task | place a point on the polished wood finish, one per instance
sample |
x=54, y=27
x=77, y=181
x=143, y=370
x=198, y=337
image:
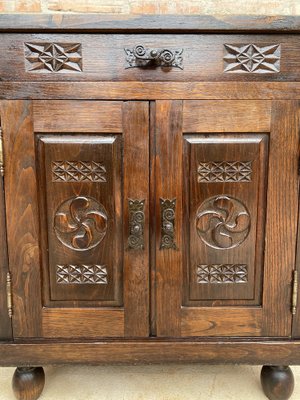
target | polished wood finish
x=277, y=382
x=153, y=350
x=22, y=217
x=147, y=23
x=151, y=90
x=28, y=383
x=111, y=174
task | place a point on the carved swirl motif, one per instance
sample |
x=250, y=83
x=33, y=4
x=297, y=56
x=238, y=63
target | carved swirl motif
x=136, y=224
x=167, y=224
x=140, y=56
x=222, y=222
x=80, y=223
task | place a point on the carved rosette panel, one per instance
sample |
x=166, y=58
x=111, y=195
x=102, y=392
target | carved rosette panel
x=251, y=58
x=225, y=171
x=136, y=224
x=81, y=274
x=53, y=57
x=78, y=171
x=80, y=223
x=222, y=273
x=167, y=208
x=222, y=222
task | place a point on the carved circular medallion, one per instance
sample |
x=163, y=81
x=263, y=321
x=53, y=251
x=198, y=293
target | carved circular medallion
x=222, y=222
x=80, y=223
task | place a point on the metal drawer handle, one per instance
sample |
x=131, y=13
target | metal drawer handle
x=140, y=56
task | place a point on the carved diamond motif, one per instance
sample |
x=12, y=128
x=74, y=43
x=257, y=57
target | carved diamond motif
x=81, y=274
x=78, y=171
x=53, y=57
x=222, y=273
x=225, y=171
x=252, y=58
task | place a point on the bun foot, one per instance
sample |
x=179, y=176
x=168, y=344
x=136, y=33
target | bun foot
x=28, y=383
x=277, y=382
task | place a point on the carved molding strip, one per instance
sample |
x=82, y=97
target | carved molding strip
x=225, y=171
x=78, y=171
x=167, y=209
x=222, y=222
x=136, y=224
x=251, y=58
x=140, y=56
x=80, y=223
x=81, y=274
x=222, y=273
x=53, y=57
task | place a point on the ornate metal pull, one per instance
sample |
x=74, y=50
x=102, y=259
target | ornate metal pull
x=167, y=212
x=136, y=224
x=140, y=56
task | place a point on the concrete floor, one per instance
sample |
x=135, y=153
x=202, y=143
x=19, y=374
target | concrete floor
x=155, y=382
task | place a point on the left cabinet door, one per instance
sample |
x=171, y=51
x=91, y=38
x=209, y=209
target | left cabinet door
x=77, y=197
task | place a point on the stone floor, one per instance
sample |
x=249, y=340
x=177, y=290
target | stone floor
x=155, y=382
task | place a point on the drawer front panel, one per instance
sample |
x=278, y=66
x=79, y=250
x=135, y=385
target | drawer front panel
x=146, y=57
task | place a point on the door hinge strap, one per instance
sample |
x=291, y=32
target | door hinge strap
x=1, y=154
x=295, y=292
x=9, y=295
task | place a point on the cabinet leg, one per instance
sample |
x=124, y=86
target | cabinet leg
x=28, y=382
x=277, y=382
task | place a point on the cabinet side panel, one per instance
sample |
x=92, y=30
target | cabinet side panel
x=281, y=220
x=5, y=321
x=22, y=217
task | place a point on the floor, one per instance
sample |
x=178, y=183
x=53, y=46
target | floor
x=163, y=382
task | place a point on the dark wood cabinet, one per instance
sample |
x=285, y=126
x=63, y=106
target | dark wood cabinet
x=149, y=193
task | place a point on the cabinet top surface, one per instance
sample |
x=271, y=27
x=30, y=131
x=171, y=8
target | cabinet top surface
x=147, y=23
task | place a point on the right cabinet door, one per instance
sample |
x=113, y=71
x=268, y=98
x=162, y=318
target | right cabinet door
x=226, y=216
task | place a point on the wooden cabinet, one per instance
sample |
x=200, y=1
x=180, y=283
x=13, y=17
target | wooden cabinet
x=149, y=194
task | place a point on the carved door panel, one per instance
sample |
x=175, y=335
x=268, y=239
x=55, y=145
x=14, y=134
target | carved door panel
x=77, y=194
x=226, y=196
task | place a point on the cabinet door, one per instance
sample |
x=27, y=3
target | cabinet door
x=226, y=215
x=77, y=196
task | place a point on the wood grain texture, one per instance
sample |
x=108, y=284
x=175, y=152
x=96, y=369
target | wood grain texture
x=203, y=58
x=250, y=116
x=90, y=116
x=136, y=186
x=281, y=219
x=5, y=321
x=22, y=217
x=219, y=321
x=147, y=23
x=90, y=323
x=168, y=167
x=216, y=351
x=150, y=90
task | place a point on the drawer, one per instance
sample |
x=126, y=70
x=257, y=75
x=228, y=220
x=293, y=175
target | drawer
x=116, y=57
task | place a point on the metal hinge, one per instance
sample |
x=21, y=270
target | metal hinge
x=1, y=154
x=9, y=295
x=295, y=292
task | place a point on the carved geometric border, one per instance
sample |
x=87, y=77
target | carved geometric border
x=222, y=273
x=81, y=274
x=78, y=171
x=225, y=171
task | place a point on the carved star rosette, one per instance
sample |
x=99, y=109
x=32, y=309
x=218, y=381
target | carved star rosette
x=80, y=223
x=53, y=57
x=222, y=222
x=252, y=58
